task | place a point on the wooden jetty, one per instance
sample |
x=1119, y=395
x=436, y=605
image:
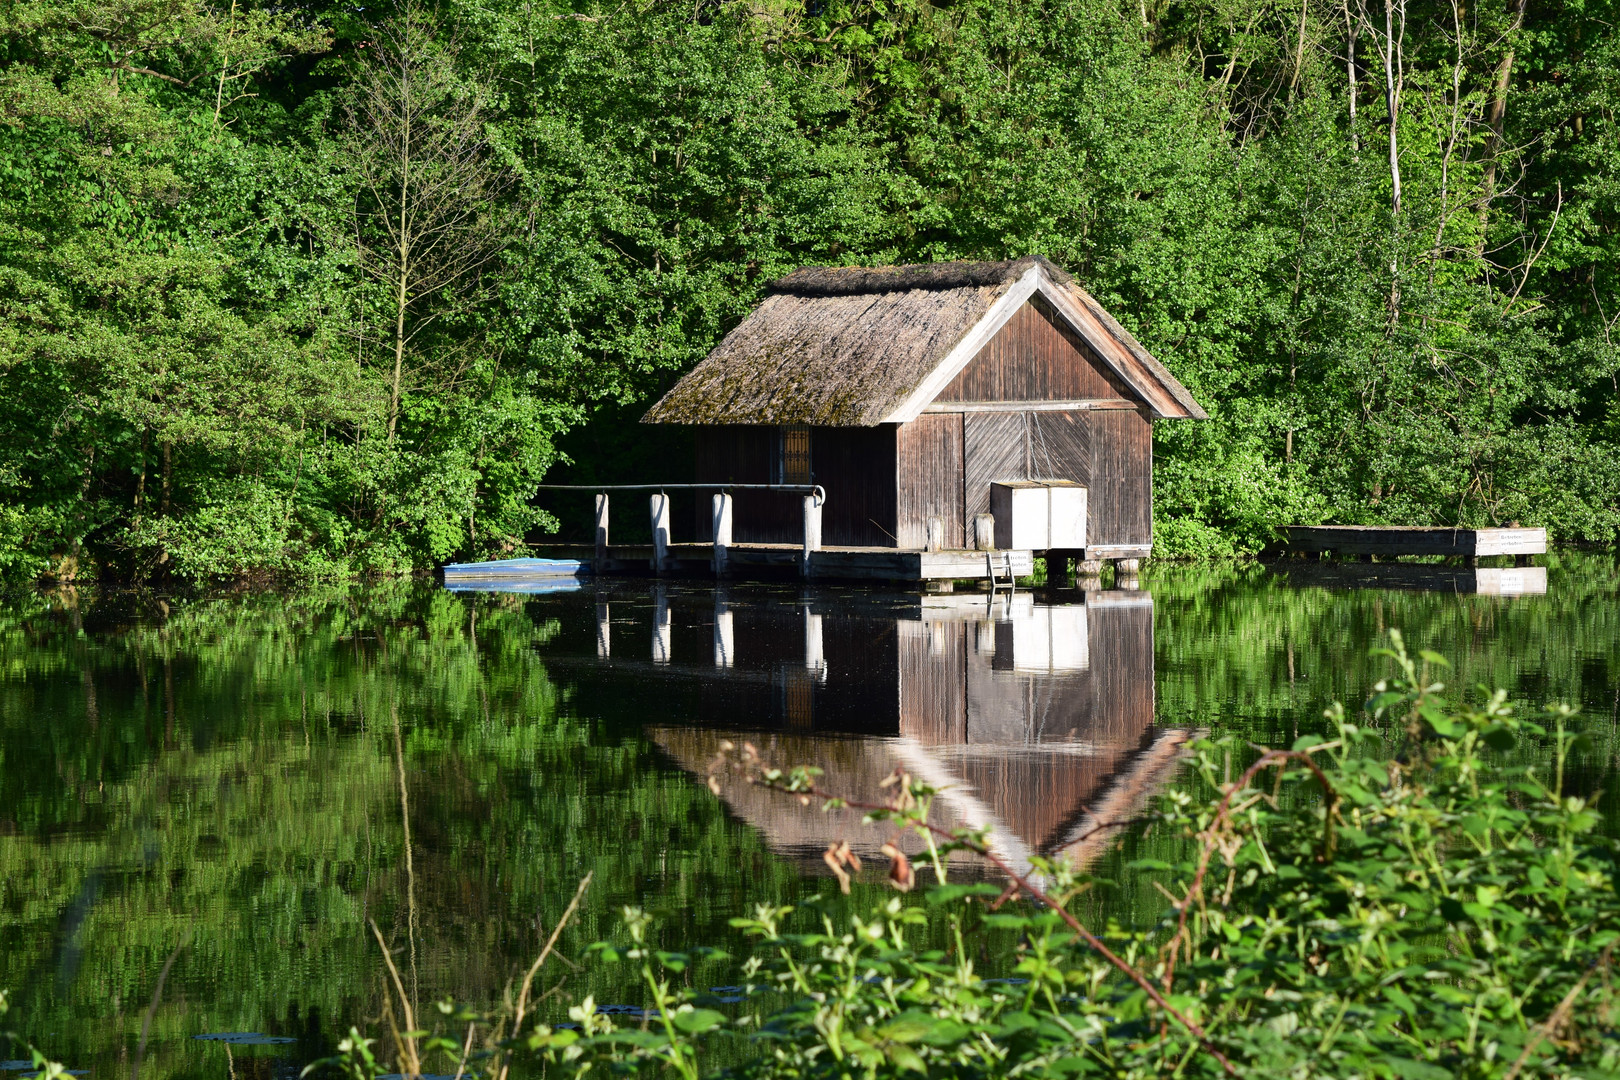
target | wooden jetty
x=1391, y=541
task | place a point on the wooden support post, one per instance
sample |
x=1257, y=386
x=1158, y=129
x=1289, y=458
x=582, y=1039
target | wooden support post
x=601, y=532
x=1127, y=566
x=725, y=635
x=722, y=532
x=812, y=531
x=815, y=659
x=984, y=532
x=660, y=627
x=1088, y=567
x=658, y=507
x=936, y=534
x=604, y=632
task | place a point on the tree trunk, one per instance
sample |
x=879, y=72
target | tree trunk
x=140, y=480
x=224, y=67
x=1392, y=96
x=1299, y=48
x=1394, y=60
x=1497, y=118
x=402, y=295
x=400, y=302
x=1351, y=26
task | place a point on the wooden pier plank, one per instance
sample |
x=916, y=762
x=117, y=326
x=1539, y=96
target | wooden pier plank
x=1416, y=540
x=832, y=563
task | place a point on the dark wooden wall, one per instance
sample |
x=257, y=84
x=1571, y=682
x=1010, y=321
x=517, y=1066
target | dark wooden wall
x=1108, y=450
x=928, y=454
x=856, y=466
x=1120, y=500
x=1035, y=357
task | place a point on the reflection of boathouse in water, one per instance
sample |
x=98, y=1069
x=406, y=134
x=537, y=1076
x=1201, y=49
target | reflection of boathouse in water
x=1033, y=719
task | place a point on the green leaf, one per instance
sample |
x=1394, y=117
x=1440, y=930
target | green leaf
x=1407, y=1069
x=904, y=1057
x=698, y=1021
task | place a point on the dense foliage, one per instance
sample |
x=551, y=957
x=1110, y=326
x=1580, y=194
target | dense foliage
x=282, y=288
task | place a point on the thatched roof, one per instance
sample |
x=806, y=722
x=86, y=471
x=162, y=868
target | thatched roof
x=856, y=347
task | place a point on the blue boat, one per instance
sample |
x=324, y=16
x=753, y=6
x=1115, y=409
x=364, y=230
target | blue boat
x=516, y=575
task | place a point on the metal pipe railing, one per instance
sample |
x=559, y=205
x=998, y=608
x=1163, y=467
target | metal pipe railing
x=800, y=489
x=659, y=514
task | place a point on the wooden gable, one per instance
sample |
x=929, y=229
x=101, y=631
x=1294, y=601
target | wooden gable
x=1036, y=356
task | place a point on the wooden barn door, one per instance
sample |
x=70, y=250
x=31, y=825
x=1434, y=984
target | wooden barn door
x=929, y=467
x=994, y=448
x=1120, y=504
x=1022, y=446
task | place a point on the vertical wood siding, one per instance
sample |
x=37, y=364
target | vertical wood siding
x=1121, y=639
x=855, y=465
x=1035, y=357
x=933, y=680
x=1120, y=503
x=929, y=474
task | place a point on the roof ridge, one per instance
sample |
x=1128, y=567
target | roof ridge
x=814, y=281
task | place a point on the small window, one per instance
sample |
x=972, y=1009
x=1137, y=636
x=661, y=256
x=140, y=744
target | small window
x=793, y=455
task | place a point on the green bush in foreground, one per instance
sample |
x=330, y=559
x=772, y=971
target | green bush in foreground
x=1340, y=911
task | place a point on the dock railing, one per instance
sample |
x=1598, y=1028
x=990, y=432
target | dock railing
x=721, y=508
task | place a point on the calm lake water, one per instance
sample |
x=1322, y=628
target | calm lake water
x=204, y=801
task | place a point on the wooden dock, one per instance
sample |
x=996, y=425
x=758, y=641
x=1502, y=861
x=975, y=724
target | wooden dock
x=788, y=560
x=1392, y=541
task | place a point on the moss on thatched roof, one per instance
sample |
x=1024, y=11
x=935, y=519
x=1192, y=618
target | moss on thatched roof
x=857, y=280
x=855, y=347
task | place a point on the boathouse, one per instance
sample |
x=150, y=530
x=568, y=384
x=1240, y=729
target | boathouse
x=923, y=397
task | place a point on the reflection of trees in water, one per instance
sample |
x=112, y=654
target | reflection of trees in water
x=228, y=769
